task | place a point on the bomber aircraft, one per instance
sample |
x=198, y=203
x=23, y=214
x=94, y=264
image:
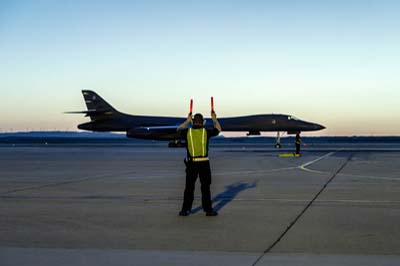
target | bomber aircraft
x=104, y=117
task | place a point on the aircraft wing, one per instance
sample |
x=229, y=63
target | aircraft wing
x=155, y=132
x=91, y=113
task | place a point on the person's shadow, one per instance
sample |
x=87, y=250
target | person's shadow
x=231, y=191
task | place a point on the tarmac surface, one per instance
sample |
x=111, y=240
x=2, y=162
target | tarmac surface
x=107, y=205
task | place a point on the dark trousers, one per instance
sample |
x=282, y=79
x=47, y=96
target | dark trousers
x=297, y=148
x=194, y=169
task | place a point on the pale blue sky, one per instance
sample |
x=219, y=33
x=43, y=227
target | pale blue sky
x=332, y=62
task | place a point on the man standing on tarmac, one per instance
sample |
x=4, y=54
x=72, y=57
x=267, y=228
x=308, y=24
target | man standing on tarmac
x=298, y=142
x=197, y=163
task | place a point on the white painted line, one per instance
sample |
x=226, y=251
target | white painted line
x=304, y=166
x=372, y=177
x=316, y=160
x=255, y=172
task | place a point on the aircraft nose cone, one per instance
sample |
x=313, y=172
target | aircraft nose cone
x=319, y=127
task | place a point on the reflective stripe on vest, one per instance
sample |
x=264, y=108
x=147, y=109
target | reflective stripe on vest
x=197, y=142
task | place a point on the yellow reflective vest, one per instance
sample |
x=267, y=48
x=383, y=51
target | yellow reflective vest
x=197, y=142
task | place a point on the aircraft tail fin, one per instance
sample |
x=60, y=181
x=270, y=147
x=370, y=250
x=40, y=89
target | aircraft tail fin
x=97, y=107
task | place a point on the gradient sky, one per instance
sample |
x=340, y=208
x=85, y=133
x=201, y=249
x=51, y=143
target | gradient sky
x=332, y=62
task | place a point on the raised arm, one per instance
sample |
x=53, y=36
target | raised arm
x=215, y=121
x=186, y=123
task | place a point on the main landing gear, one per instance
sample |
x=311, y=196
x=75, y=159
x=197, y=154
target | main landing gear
x=278, y=141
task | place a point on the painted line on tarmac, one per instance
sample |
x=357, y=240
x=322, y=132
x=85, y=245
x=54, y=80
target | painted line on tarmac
x=255, y=172
x=292, y=223
x=372, y=177
x=135, y=176
x=182, y=175
x=304, y=166
x=172, y=199
x=311, y=171
x=61, y=183
x=67, y=182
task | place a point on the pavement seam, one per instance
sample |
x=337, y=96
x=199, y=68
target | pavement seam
x=303, y=211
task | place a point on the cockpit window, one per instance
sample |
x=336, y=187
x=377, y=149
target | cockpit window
x=291, y=117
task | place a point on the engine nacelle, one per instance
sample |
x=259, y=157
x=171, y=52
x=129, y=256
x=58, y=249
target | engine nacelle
x=140, y=132
x=254, y=133
x=158, y=133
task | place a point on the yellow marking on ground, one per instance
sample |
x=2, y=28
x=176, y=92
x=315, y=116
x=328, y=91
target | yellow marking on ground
x=289, y=155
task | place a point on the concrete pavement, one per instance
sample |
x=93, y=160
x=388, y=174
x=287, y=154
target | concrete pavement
x=86, y=204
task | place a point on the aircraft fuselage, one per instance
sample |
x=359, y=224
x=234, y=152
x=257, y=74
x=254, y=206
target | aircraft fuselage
x=137, y=126
x=104, y=117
